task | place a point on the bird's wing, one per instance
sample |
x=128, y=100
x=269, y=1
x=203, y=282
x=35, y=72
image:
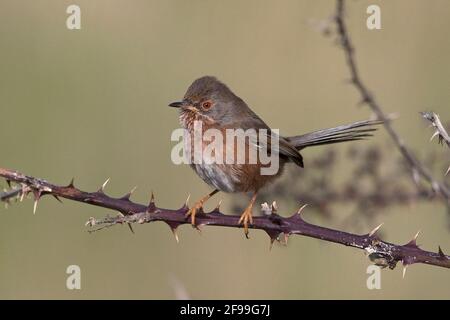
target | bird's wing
x=284, y=148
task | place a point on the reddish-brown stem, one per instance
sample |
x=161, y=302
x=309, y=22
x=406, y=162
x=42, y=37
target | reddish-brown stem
x=380, y=252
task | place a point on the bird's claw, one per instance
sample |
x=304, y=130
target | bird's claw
x=245, y=219
x=198, y=207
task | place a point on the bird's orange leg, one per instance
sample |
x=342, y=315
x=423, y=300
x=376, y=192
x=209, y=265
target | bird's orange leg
x=199, y=205
x=247, y=216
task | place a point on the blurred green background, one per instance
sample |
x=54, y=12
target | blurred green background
x=91, y=104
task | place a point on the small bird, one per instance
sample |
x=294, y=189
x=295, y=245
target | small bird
x=215, y=106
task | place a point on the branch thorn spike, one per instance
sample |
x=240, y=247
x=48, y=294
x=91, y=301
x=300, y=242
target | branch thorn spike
x=102, y=188
x=388, y=253
x=299, y=211
x=37, y=196
x=71, y=183
x=57, y=198
x=151, y=206
x=434, y=135
x=198, y=228
x=271, y=244
x=217, y=208
x=413, y=242
x=22, y=194
x=130, y=227
x=273, y=235
x=35, y=206
x=405, y=266
x=8, y=182
x=374, y=231
x=128, y=195
x=441, y=253
x=186, y=203
x=448, y=170
x=175, y=234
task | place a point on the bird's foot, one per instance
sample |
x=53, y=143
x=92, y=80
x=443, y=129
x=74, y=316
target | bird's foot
x=246, y=218
x=196, y=208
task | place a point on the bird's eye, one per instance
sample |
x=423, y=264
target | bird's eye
x=206, y=105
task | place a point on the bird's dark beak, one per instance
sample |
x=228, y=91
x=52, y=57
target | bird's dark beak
x=177, y=104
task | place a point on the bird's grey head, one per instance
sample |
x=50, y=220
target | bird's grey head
x=212, y=99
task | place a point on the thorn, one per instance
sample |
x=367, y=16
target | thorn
x=217, y=208
x=375, y=230
x=131, y=228
x=37, y=196
x=448, y=170
x=151, y=206
x=57, y=198
x=404, y=270
x=299, y=211
x=128, y=195
x=35, y=206
x=273, y=235
x=413, y=242
x=186, y=203
x=173, y=227
x=434, y=135
x=198, y=228
x=8, y=182
x=272, y=240
x=175, y=234
x=102, y=188
x=441, y=253
x=71, y=183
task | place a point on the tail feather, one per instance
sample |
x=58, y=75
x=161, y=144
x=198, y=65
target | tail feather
x=350, y=132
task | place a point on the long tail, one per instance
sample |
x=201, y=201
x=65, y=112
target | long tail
x=350, y=132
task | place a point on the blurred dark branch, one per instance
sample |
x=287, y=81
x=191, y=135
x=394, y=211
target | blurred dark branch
x=9, y=194
x=373, y=181
x=380, y=252
x=369, y=99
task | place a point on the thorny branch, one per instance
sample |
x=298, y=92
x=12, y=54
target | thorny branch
x=369, y=99
x=380, y=252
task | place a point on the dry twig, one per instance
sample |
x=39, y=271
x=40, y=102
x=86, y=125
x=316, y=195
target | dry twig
x=369, y=99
